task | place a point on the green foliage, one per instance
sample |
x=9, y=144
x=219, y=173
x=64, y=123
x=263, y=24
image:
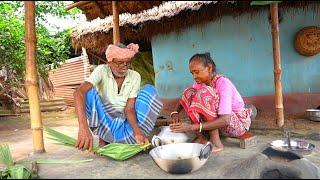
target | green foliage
x=12, y=170
x=19, y=170
x=52, y=49
x=263, y=2
x=116, y=151
x=5, y=155
x=143, y=64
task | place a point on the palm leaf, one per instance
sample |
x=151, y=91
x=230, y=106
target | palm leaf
x=61, y=138
x=117, y=151
x=120, y=151
x=19, y=171
x=5, y=155
x=12, y=170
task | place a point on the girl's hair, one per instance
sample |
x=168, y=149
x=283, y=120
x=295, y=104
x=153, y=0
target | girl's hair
x=205, y=58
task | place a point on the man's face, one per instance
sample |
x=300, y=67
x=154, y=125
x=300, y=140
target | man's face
x=120, y=67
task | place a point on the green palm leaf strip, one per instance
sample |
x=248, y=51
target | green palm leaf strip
x=56, y=161
x=116, y=151
x=260, y=3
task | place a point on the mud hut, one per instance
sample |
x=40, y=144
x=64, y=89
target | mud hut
x=237, y=35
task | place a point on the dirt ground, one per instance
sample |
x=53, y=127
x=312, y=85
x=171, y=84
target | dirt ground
x=15, y=131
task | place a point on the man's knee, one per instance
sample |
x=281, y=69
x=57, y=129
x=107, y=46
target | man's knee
x=149, y=88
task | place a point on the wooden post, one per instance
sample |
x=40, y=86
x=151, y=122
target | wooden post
x=115, y=14
x=277, y=64
x=31, y=81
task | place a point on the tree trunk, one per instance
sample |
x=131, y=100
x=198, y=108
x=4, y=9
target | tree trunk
x=31, y=81
x=277, y=64
x=115, y=13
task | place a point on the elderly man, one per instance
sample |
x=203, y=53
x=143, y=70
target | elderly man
x=111, y=104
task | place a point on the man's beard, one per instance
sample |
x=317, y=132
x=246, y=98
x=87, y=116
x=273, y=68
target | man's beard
x=119, y=75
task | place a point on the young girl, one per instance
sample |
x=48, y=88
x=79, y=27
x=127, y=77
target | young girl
x=212, y=103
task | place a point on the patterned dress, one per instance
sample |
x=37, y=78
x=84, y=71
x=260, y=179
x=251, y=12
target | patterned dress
x=201, y=100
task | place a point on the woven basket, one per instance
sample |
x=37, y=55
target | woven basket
x=307, y=41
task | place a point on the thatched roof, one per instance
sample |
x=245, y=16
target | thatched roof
x=102, y=9
x=170, y=16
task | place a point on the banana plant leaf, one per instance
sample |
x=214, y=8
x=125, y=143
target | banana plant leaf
x=115, y=151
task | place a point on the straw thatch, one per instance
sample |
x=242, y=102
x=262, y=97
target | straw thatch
x=169, y=16
x=102, y=9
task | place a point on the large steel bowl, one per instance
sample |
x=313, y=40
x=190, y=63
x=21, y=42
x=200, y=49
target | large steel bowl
x=181, y=158
x=313, y=114
x=298, y=146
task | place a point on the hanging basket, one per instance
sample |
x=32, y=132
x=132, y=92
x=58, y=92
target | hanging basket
x=307, y=41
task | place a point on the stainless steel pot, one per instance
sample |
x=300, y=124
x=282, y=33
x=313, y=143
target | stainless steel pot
x=181, y=158
x=313, y=114
x=166, y=136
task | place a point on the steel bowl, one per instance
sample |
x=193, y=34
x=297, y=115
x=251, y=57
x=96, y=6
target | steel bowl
x=313, y=114
x=298, y=146
x=181, y=158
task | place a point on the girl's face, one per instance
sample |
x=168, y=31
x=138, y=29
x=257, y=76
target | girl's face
x=200, y=72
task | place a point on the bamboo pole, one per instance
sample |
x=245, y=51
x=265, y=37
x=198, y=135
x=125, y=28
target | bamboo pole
x=76, y=4
x=32, y=78
x=277, y=64
x=115, y=14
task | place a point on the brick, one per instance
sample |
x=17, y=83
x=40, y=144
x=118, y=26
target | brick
x=247, y=140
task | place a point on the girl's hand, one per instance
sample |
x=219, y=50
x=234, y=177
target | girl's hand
x=180, y=127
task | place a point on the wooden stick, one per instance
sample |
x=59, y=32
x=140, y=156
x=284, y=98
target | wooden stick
x=32, y=78
x=277, y=64
x=34, y=167
x=115, y=13
x=77, y=4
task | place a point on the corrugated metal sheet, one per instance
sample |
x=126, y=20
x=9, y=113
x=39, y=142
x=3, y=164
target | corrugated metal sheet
x=69, y=76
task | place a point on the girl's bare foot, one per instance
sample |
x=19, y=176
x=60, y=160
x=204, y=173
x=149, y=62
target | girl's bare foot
x=215, y=140
x=216, y=149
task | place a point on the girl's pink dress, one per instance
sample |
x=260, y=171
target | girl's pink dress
x=210, y=102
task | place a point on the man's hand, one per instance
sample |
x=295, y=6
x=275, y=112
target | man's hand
x=181, y=127
x=141, y=138
x=85, y=140
x=175, y=118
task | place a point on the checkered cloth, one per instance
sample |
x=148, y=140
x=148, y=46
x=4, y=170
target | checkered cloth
x=111, y=124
